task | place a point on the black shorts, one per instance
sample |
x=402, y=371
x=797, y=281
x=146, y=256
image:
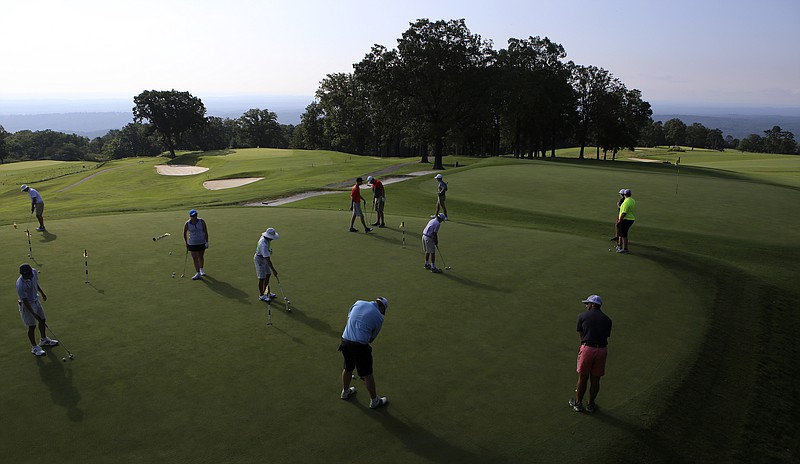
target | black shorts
x=624, y=226
x=201, y=247
x=357, y=356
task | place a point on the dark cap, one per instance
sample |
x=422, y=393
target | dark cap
x=26, y=271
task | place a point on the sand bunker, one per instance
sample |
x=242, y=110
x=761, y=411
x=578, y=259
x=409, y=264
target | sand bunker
x=229, y=183
x=179, y=170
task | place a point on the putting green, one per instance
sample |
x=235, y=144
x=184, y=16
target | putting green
x=170, y=369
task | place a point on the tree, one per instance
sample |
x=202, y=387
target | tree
x=535, y=93
x=170, y=113
x=675, y=132
x=777, y=140
x=433, y=71
x=590, y=84
x=3, y=135
x=259, y=128
x=753, y=143
x=696, y=135
x=310, y=134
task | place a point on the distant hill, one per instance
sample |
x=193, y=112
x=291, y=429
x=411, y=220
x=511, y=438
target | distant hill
x=94, y=118
x=738, y=125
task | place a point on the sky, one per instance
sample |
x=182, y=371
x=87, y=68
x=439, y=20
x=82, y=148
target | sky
x=699, y=52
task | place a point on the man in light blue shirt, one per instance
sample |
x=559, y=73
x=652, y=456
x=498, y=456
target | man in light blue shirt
x=364, y=322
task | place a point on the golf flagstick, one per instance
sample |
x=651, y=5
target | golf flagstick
x=269, y=311
x=403, y=228
x=677, y=173
x=86, y=262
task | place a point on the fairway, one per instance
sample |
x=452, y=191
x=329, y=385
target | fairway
x=477, y=362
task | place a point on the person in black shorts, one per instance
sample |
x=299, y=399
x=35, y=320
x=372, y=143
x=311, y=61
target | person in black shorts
x=364, y=322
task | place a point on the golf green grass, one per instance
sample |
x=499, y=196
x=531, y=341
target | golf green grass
x=478, y=362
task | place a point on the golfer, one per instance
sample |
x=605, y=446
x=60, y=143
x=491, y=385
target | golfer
x=355, y=206
x=364, y=322
x=625, y=220
x=378, y=200
x=195, y=234
x=263, y=262
x=430, y=239
x=441, y=191
x=37, y=205
x=31, y=310
x=616, y=218
x=594, y=328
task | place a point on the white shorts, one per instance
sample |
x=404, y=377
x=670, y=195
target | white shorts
x=262, y=267
x=428, y=244
x=27, y=318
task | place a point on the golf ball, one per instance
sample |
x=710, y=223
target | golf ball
x=170, y=252
x=173, y=275
x=64, y=359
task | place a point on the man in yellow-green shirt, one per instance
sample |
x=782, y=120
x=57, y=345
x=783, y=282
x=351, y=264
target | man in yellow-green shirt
x=627, y=214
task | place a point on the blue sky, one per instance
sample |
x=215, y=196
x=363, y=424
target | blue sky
x=728, y=53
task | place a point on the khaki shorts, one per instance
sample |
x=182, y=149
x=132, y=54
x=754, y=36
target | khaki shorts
x=39, y=208
x=27, y=318
x=428, y=244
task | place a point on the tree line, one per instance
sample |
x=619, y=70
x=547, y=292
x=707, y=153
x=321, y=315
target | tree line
x=442, y=89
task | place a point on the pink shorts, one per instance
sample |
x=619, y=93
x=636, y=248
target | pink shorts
x=592, y=361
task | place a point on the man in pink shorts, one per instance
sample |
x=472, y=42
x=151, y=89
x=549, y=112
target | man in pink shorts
x=594, y=328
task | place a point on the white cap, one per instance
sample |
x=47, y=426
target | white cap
x=270, y=234
x=622, y=191
x=382, y=300
x=370, y=179
x=437, y=176
x=594, y=299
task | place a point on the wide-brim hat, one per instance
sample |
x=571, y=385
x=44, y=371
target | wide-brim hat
x=24, y=187
x=270, y=234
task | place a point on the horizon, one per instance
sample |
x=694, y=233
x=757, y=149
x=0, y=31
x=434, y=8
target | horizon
x=251, y=48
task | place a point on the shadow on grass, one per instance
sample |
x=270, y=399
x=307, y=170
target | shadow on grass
x=225, y=289
x=98, y=290
x=469, y=282
x=648, y=445
x=47, y=236
x=313, y=323
x=59, y=381
x=424, y=443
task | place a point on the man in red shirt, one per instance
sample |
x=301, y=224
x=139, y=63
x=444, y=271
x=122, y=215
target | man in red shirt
x=355, y=206
x=378, y=201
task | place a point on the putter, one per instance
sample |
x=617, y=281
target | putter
x=286, y=300
x=444, y=261
x=30, y=250
x=60, y=343
x=155, y=239
x=184, y=263
x=269, y=313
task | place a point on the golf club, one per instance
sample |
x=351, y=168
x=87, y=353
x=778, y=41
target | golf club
x=60, y=343
x=269, y=313
x=286, y=300
x=184, y=263
x=30, y=250
x=444, y=261
x=86, y=262
x=155, y=239
x=28, y=233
